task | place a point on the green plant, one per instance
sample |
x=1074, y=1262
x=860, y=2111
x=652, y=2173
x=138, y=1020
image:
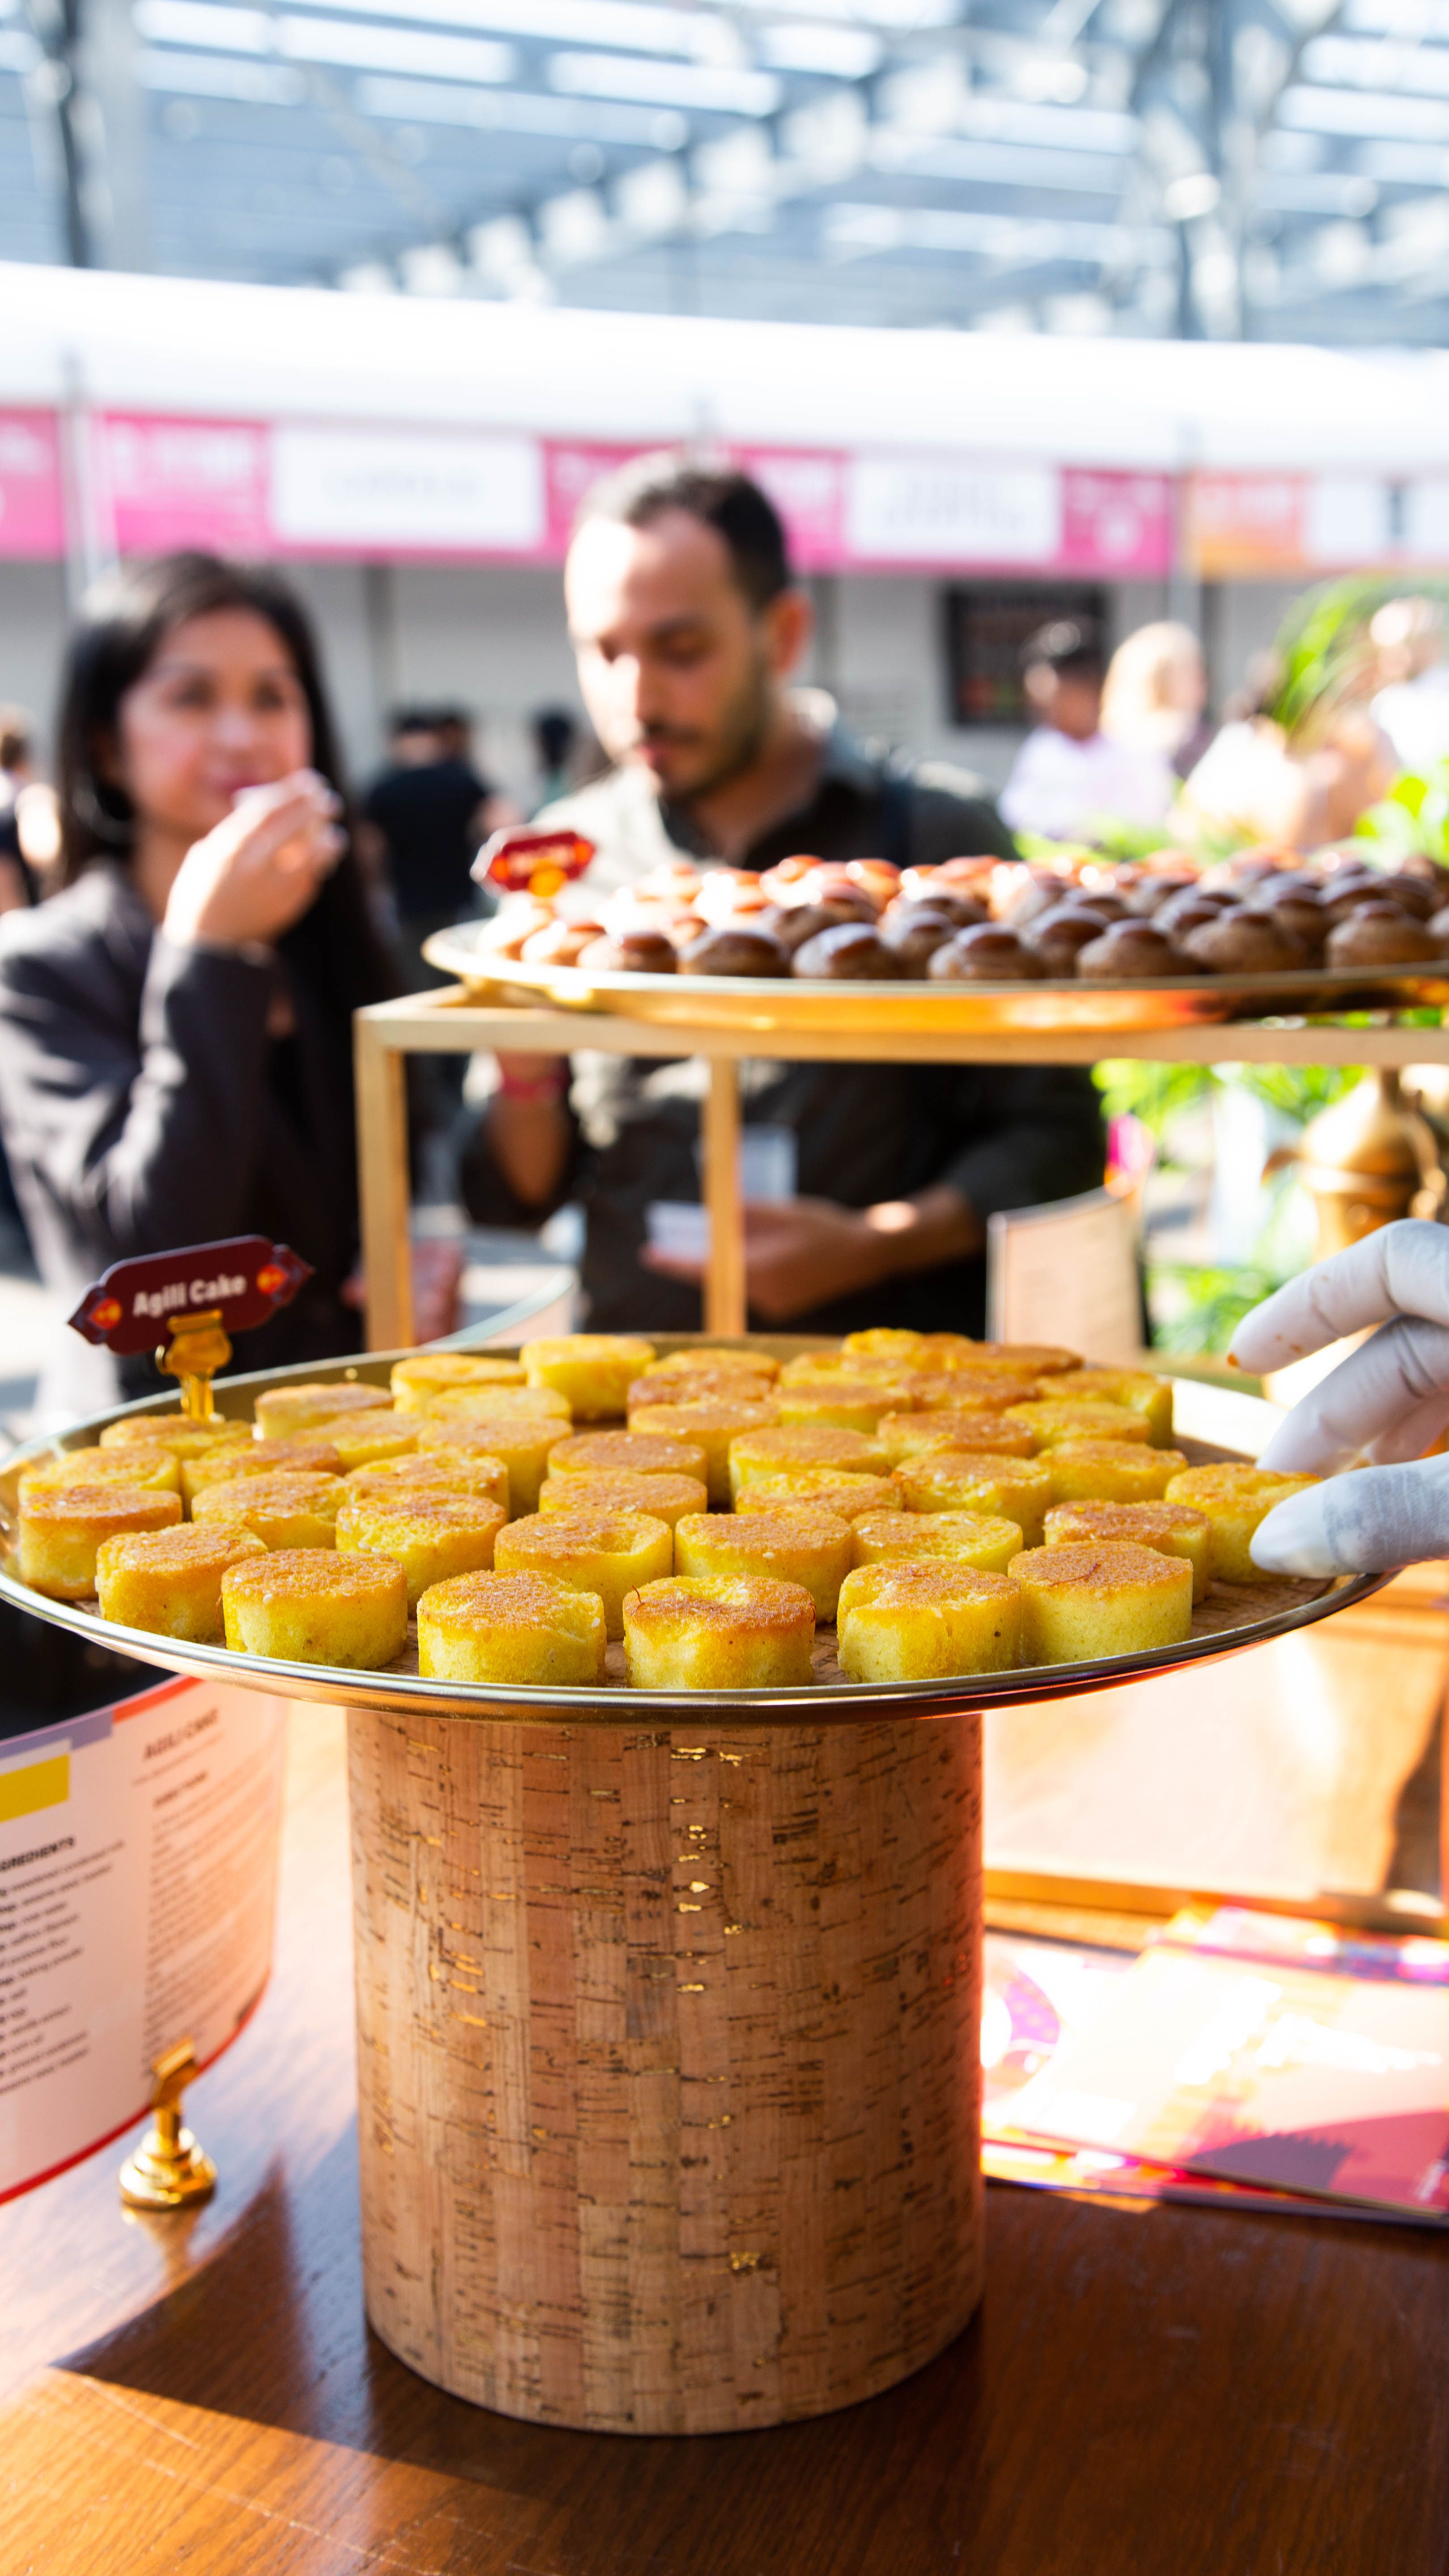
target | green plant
x=1413, y=818
x=1323, y=650
x=1210, y=1303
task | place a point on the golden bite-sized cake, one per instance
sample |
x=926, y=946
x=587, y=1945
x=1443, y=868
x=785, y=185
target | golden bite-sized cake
x=1138, y=1389
x=610, y=1453
x=864, y=1367
x=498, y=1403
x=1081, y=1603
x=660, y=1386
x=1017, y=1359
x=437, y=1471
x=315, y=1606
x=603, y=1552
x=979, y=1540
x=370, y=1439
x=974, y=1480
x=521, y=1444
x=1235, y=1499
x=969, y=1390
x=1111, y=1471
x=430, y=1535
x=924, y=1621
x=282, y=1410
x=427, y=1373
x=893, y=1342
x=775, y=1447
x=665, y=1498
x=1050, y=1422
x=713, y=1358
x=906, y=1435
x=284, y=1511
x=805, y=1546
x=528, y=1629
x=822, y=1489
x=62, y=1526
x=718, y=1632
x=841, y=1403
x=170, y=1580
x=173, y=1431
x=157, y=1469
x=1175, y=1528
x=302, y=1456
x=711, y=1425
x=593, y=1372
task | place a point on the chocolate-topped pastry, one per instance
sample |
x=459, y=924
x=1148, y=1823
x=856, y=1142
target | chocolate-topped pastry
x=1379, y=934
x=1438, y=928
x=724, y=894
x=1411, y=894
x=1296, y=911
x=793, y=923
x=962, y=909
x=850, y=954
x=1348, y=890
x=1030, y=891
x=734, y=951
x=1431, y=872
x=1095, y=899
x=835, y=885
x=991, y=954
x=1194, y=905
x=1059, y=936
x=914, y=931
x=1155, y=888
x=1251, y=867
x=1127, y=951
x=562, y=943
x=1243, y=943
x=630, y=952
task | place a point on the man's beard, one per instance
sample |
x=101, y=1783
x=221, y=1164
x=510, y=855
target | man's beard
x=735, y=747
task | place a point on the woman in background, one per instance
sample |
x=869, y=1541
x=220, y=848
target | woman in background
x=175, y=1023
x=1155, y=695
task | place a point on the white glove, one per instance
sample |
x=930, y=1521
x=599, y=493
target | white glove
x=1386, y=1402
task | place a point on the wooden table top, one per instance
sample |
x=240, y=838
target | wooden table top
x=1175, y=2393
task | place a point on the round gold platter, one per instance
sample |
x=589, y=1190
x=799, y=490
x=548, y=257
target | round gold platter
x=1232, y=1617
x=844, y=1009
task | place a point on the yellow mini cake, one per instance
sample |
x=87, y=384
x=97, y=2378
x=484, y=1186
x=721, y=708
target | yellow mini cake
x=603, y=1552
x=1111, y=1471
x=973, y=1480
x=608, y=1453
x=865, y=1367
x=1014, y=1359
x=437, y=1471
x=521, y=1444
x=500, y=1403
x=969, y=1390
x=284, y=1511
x=700, y=1386
x=718, y=1632
x=173, y=1431
x=843, y=1403
x=370, y=1439
x=906, y=1435
x=893, y=1342
x=715, y=1357
x=802, y=1546
x=822, y=1489
x=170, y=1580
x=1053, y=1422
x=664, y=1498
x=157, y=1469
x=778, y=1448
x=975, y=1539
x=916, y=1623
x=302, y=1456
x=61, y=1527
x=1235, y=1499
x=314, y=1606
x=592, y=1371
x=430, y=1535
x=710, y=1424
x=427, y=1373
x=528, y=1629
x=1173, y=1528
x=1081, y=1603
x=283, y=1410
x=1138, y=1389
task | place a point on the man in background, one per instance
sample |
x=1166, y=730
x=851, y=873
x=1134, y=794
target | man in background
x=428, y=811
x=1068, y=774
x=19, y=884
x=688, y=627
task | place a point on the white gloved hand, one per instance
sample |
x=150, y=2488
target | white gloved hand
x=1386, y=1402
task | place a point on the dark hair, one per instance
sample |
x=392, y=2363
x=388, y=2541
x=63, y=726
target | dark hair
x=121, y=628
x=719, y=496
x=17, y=737
x=555, y=732
x=1070, y=644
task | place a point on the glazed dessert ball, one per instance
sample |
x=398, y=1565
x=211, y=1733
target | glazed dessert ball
x=923, y=1622
x=170, y=1580
x=283, y=1410
x=606, y=1453
x=428, y=1372
x=803, y=1546
x=837, y=1403
x=907, y=1435
x=311, y=1605
x=593, y=1372
x=154, y=1468
x=734, y=951
x=824, y=1489
x=1379, y=934
x=1190, y=909
x=853, y=954
x=786, y=1446
x=1049, y=1422
x=664, y=1498
x=62, y=1526
x=436, y=1471
x=1243, y=943
x=1111, y=1471
x=629, y=952
x=1058, y=937
x=1348, y=889
x=988, y=955
x=1175, y=1529
x=284, y=1511
x=608, y=1553
x=719, y=1632
x=1138, y=1389
x=1298, y=912
x=912, y=932
x=1129, y=952
x=972, y=1480
x=431, y=1536
x=1235, y=1498
x=792, y=924
x=303, y=1456
x=173, y=1432
x=522, y=1443
x=1082, y=1603
x=371, y=1439
x=708, y=1425
x=969, y=1538
x=528, y=1629
x=561, y=943
x=1412, y=894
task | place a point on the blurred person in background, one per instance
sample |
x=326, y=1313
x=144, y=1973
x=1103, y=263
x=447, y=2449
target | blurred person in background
x=1156, y=693
x=176, y=1021
x=1068, y=776
x=427, y=811
x=688, y=627
x=1257, y=782
x=19, y=882
x=1411, y=703
x=555, y=738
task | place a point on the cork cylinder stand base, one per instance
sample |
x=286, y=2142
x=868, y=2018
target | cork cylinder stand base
x=669, y=2062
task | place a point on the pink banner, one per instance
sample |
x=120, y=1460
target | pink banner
x=1117, y=524
x=32, y=506
x=186, y=483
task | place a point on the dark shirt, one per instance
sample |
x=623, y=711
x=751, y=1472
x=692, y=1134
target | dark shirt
x=426, y=815
x=1004, y=1137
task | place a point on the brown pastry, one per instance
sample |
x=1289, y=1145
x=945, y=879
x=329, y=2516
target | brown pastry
x=1294, y=911
x=725, y=895
x=879, y=878
x=1059, y=936
x=1438, y=929
x=1243, y=943
x=1157, y=887
x=734, y=952
x=630, y=952
x=1265, y=859
x=1025, y=893
x=1128, y=951
x=914, y=931
x=1379, y=934
x=1348, y=890
x=991, y=955
x=1411, y=894
x=1188, y=910
x=853, y=954
x=926, y=893
x=561, y=944
x=1095, y=899
x=793, y=923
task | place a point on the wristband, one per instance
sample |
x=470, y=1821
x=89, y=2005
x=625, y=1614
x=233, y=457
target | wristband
x=532, y=1086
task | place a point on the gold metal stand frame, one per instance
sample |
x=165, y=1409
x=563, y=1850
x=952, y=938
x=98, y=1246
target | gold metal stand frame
x=168, y=2169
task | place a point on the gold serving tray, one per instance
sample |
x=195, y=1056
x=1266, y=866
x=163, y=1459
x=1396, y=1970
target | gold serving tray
x=1233, y=1616
x=743, y=1003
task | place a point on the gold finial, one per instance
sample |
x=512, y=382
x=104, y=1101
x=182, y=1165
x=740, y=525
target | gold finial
x=197, y=1349
x=168, y=2168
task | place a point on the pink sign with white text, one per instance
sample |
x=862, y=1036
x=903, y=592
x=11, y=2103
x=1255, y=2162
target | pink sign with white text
x=186, y=483
x=32, y=506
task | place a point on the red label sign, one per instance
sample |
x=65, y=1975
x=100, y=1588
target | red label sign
x=246, y=1278
x=528, y=861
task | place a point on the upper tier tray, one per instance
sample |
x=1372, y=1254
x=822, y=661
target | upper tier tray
x=1232, y=1617
x=879, y=1010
